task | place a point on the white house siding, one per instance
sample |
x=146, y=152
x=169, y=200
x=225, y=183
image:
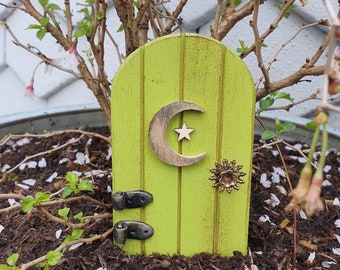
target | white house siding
x=62, y=90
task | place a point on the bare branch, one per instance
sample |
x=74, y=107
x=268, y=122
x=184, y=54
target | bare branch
x=272, y=26
x=229, y=20
x=290, y=80
x=258, y=43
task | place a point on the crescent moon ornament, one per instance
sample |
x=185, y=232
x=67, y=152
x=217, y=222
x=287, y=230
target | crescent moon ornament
x=157, y=134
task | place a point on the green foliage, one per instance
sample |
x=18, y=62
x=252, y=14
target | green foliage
x=79, y=216
x=86, y=25
x=269, y=100
x=238, y=2
x=121, y=28
x=288, y=12
x=279, y=128
x=74, y=236
x=53, y=7
x=11, y=261
x=40, y=27
x=74, y=186
x=52, y=258
x=12, y=177
x=28, y=203
x=43, y=3
x=243, y=48
x=311, y=125
x=64, y=213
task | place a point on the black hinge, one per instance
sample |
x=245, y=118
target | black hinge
x=131, y=229
x=130, y=199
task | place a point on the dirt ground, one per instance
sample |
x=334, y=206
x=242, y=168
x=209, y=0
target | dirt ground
x=270, y=229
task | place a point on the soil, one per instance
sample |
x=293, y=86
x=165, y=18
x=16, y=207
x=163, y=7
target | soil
x=271, y=238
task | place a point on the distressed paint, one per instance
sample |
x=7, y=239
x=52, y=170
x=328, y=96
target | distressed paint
x=187, y=214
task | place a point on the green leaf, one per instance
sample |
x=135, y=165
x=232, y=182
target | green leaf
x=264, y=104
x=40, y=264
x=12, y=260
x=267, y=134
x=85, y=185
x=311, y=125
x=243, y=48
x=41, y=197
x=287, y=126
x=287, y=13
x=34, y=26
x=53, y=7
x=100, y=16
x=85, y=11
x=53, y=257
x=43, y=2
x=64, y=212
x=67, y=192
x=79, y=216
x=77, y=233
x=44, y=21
x=74, y=236
x=79, y=33
x=27, y=204
x=278, y=125
x=41, y=33
x=136, y=4
x=72, y=179
x=283, y=95
x=121, y=28
x=238, y=2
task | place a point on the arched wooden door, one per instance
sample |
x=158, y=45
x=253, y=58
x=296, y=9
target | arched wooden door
x=187, y=98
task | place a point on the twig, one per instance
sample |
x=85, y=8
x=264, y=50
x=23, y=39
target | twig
x=331, y=12
x=38, y=54
x=86, y=220
x=287, y=107
x=271, y=27
x=44, y=153
x=61, y=200
x=217, y=17
x=258, y=42
x=68, y=244
x=175, y=15
x=68, y=17
x=281, y=48
x=54, y=133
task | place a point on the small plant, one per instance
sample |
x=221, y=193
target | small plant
x=64, y=212
x=79, y=216
x=29, y=202
x=75, y=186
x=287, y=13
x=243, y=48
x=269, y=101
x=52, y=258
x=75, y=235
x=279, y=128
x=11, y=262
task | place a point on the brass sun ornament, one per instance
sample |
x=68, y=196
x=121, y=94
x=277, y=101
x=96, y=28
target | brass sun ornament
x=227, y=176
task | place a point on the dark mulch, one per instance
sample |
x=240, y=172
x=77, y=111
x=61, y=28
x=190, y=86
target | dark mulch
x=270, y=240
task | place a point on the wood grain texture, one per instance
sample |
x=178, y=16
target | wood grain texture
x=187, y=214
x=157, y=134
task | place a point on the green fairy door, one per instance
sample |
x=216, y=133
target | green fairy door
x=180, y=104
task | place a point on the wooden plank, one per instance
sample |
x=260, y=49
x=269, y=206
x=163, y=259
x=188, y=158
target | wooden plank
x=201, y=84
x=161, y=88
x=127, y=136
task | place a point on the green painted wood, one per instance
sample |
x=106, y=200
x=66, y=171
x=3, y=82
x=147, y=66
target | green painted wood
x=187, y=214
